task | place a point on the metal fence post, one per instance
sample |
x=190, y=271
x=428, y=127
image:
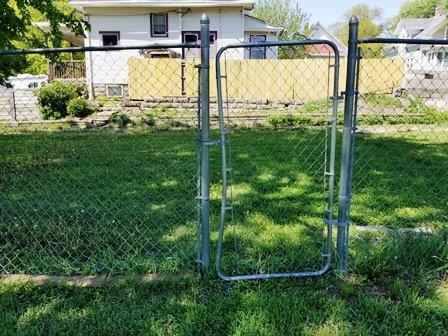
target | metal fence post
x=205, y=138
x=345, y=180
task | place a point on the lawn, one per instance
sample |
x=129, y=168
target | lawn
x=123, y=203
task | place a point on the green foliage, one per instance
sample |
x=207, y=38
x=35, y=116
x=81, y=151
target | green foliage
x=288, y=15
x=54, y=97
x=371, y=119
x=79, y=107
x=385, y=100
x=121, y=120
x=290, y=120
x=370, y=25
x=421, y=8
x=17, y=16
x=418, y=106
x=106, y=101
x=149, y=120
x=316, y=106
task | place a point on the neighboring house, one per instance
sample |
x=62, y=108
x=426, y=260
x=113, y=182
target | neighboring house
x=422, y=57
x=321, y=32
x=426, y=69
x=142, y=22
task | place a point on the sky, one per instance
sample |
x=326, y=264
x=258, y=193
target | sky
x=330, y=11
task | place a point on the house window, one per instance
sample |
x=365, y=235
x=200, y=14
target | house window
x=114, y=90
x=259, y=52
x=159, y=25
x=195, y=37
x=110, y=38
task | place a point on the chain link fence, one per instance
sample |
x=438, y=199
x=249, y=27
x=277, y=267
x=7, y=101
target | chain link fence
x=99, y=164
x=105, y=160
x=400, y=173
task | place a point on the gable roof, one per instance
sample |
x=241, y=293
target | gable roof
x=247, y=4
x=434, y=25
x=253, y=24
x=321, y=32
x=427, y=27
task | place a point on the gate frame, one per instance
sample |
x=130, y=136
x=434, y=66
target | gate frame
x=328, y=218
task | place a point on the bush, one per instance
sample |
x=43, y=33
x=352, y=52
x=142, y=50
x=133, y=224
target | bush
x=120, y=119
x=371, y=119
x=79, y=107
x=54, y=97
x=290, y=121
x=149, y=120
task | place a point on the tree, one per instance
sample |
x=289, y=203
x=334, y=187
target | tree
x=421, y=8
x=18, y=15
x=370, y=25
x=370, y=22
x=286, y=14
x=418, y=9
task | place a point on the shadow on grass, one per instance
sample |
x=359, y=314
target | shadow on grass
x=124, y=203
x=396, y=286
x=279, y=199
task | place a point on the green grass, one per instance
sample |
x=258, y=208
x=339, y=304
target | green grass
x=123, y=203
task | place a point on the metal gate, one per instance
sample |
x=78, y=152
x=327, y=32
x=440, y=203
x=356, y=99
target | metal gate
x=278, y=132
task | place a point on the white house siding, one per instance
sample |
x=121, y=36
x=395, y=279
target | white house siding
x=134, y=27
x=227, y=22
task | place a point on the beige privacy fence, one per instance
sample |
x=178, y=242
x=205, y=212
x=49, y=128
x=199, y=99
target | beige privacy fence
x=274, y=80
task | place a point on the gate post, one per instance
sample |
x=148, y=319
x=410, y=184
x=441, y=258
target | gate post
x=204, y=99
x=346, y=160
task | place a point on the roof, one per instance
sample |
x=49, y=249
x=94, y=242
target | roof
x=69, y=36
x=427, y=27
x=321, y=32
x=247, y=4
x=253, y=24
x=433, y=26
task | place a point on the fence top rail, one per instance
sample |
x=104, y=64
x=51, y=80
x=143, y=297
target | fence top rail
x=404, y=41
x=103, y=48
x=280, y=44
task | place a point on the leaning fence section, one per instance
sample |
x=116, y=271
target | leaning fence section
x=94, y=181
x=400, y=172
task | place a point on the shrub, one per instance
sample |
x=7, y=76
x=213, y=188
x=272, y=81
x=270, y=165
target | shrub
x=79, y=107
x=290, y=121
x=371, y=119
x=149, y=120
x=385, y=100
x=120, y=119
x=317, y=105
x=54, y=97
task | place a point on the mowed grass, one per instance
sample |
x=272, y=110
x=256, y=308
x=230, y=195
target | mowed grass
x=124, y=203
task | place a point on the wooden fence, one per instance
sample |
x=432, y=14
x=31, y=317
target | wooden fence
x=72, y=69
x=300, y=79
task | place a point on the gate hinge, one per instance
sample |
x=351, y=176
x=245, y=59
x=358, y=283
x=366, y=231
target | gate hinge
x=343, y=224
x=213, y=142
x=200, y=66
x=332, y=222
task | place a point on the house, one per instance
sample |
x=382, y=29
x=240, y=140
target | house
x=143, y=22
x=422, y=57
x=321, y=32
x=426, y=66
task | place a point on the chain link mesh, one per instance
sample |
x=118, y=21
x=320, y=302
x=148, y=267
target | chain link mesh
x=400, y=173
x=99, y=165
